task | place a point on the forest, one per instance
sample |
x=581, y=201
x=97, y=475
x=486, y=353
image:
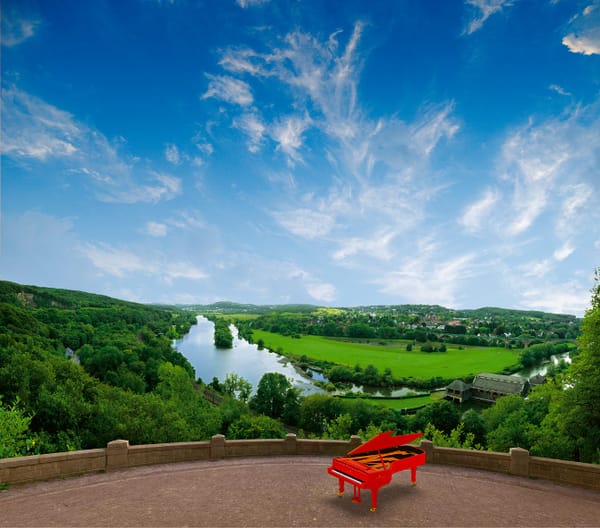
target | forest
x=78, y=370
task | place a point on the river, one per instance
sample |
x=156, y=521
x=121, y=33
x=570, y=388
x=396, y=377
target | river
x=244, y=359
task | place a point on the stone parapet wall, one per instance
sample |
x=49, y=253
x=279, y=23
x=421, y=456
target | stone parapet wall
x=448, y=456
x=55, y=465
x=118, y=454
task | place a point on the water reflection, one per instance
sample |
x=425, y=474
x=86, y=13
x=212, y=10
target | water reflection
x=244, y=359
x=543, y=368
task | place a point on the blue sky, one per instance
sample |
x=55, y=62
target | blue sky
x=304, y=151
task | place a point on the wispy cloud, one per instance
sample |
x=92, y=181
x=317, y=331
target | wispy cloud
x=306, y=223
x=156, y=229
x=575, y=199
x=545, y=167
x=377, y=246
x=426, y=278
x=477, y=213
x=35, y=132
x=172, y=154
x=119, y=262
x=484, y=10
x=558, y=89
x=321, y=291
x=16, y=28
x=228, y=89
x=380, y=178
x=32, y=129
x=253, y=126
x=569, y=297
x=250, y=3
x=584, y=36
x=287, y=133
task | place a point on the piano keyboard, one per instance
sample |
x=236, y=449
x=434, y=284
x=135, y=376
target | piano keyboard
x=346, y=476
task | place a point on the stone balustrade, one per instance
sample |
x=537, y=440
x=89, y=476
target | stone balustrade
x=118, y=455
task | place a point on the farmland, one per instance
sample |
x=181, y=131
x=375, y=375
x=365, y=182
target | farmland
x=454, y=363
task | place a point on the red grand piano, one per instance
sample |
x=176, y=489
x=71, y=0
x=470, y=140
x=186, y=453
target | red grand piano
x=371, y=465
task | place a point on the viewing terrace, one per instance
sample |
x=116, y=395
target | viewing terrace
x=285, y=483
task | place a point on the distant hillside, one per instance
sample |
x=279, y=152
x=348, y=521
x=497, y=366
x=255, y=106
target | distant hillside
x=226, y=307
x=42, y=297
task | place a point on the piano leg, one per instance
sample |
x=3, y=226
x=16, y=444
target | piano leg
x=374, y=492
x=341, y=488
x=413, y=475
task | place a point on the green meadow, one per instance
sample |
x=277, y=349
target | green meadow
x=454, y=363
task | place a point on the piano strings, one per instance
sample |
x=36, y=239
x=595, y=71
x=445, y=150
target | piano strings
x=376, y=459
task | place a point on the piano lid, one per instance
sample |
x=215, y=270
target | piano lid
x=383, y=441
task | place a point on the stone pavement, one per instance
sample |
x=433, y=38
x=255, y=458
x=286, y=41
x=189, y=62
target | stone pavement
x=293, y=491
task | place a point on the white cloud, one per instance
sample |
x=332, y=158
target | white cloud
x=183, y=270
x=16, y=29
x=427, y=277
x=537, y=269
x=252, y=125
x=540, y=159
x=563, y=252
x=288, y=135
x=376, y=246
x=477, y=213
x=577, y=197
x=187, y=220
x=249, y=3
x=587, y=45
x=123, y=262
x=380, y=169
x=485, y=9
x=558, y=89
x=585, y=31
x=228, y=89
x=34, y=131
x=156, y=229
x=172, y=154
x=567, y=298
x=113, y=261
x=305, y=223
x=321, y=292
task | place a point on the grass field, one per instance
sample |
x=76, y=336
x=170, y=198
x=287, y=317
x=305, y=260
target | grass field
x=453, y=363
x=404, y=403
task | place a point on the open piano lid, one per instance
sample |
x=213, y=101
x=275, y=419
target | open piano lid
x=383, y=441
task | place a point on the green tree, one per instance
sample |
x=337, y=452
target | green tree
x=442, y=414
x=237, y=386
x=580, y=406
x=274, y=395
x=457, y=437
x=473, y=423
x=15, y=437
x=260, y=426
x=340, y=428
x=223, y=335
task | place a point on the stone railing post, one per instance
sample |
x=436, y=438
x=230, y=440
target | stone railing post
x=117, y=453
x=217, y=446
x=355, y=441
x=519, y=462
x=290, y=446
x=427, y=446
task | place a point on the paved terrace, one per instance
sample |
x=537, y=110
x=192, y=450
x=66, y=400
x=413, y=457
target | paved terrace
x=293, y=491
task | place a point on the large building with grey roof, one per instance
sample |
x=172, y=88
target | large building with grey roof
x=487, y=387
